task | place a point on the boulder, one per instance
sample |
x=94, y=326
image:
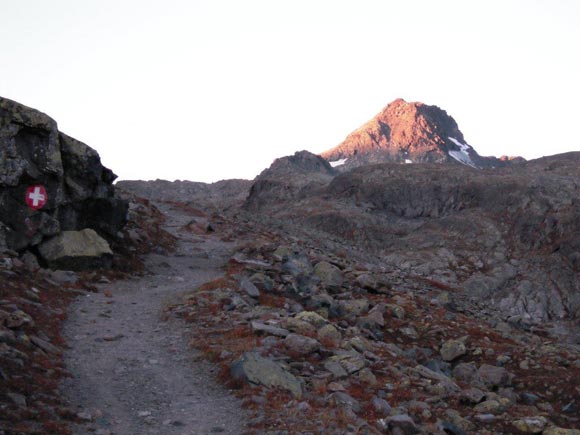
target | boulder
x=79, y=191
x=330, y=275
x=255, y=369
x=76, y=250
x=453, y=349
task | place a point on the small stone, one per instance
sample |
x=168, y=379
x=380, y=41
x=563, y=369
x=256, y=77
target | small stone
x=143, y=414
x=466, y=372
x=85, y=416
x=396, y=311
x=311, y=317
x=44, y=345
x=489, y=407
x=367, y=376
x=301, y=344
x=17, y=399
x=352, y=363
x=328, y=334
x=531, y=424
x=529, y=398
x=381, y=406
x=335, y=386
x=367, y=281
x=249, y=288
x=485, y=418
x=253, y=368
x=336, y=369
x=330, y=276
x=472, y=395
x=494, y=376
x=113, y=337
x=402, y=422
x=453, y=349
x=451, y=429
x=341, y=399
x=259, y=327
x=354, y=307
x=410, y=332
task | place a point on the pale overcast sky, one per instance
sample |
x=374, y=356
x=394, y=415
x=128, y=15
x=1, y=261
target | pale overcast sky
x=211, y=89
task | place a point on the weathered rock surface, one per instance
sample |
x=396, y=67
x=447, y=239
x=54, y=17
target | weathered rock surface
x=79, y=190
x=76, y=250
x=253, y=368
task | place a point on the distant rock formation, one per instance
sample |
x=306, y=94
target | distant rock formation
x=508, y=236
x=67, y=187
x=408, y=133
x=289, y=177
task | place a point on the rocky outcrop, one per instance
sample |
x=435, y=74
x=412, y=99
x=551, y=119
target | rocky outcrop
x=409, y=133
x=508, y=237
x=289, y=178
x=70, y=188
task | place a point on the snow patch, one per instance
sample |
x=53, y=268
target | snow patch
x=336, y=163
x=462, y=156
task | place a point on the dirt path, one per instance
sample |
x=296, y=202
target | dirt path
x=134, y=373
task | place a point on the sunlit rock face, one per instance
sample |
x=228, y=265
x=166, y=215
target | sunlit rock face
x=408, y=133
x=50, y=182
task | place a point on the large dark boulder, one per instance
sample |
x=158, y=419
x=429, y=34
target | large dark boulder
x=79, y=189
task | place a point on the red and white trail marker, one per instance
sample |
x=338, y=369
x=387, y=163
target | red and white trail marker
x=36, y=197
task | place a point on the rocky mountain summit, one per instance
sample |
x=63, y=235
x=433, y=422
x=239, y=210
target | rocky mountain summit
x=408, y=133
x=56, y=199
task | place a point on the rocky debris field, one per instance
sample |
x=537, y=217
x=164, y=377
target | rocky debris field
x=317, y=342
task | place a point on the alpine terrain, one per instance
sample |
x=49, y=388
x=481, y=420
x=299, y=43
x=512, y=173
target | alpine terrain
x=399, y=283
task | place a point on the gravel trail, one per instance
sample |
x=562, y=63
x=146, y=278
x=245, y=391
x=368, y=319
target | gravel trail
x=134, y=373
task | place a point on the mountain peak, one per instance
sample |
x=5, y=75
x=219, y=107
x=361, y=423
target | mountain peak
x=406, y=132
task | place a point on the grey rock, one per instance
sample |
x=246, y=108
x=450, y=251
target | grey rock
x=493, y=376
x=18, y=399
x=76, y=250
x=249, y=288
x=253, y=368
x=350, y=362
x=472, y=395
x=336, y=369
x=466, y=372
x=330, y=276
x=301, y=345
x=534, y=424
x=341, y=399
x=381, y=406
x=44, y=345
x=402, y=422
x=453, y=349
x=259, y=327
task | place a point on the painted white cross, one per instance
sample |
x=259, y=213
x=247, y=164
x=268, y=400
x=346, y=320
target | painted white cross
x=36, y=196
